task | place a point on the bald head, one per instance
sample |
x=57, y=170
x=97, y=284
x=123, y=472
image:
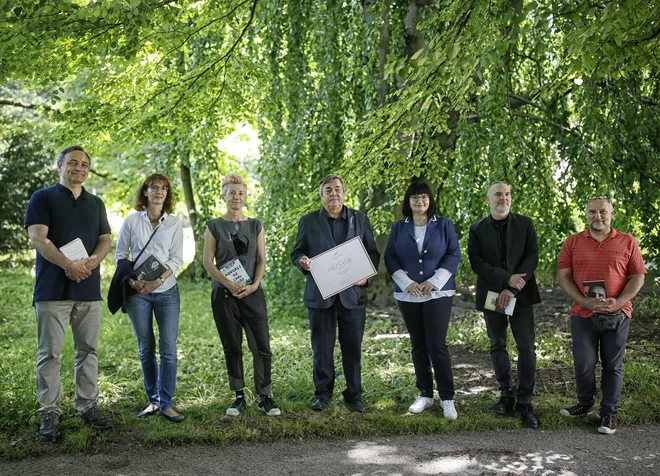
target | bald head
x=499, y=200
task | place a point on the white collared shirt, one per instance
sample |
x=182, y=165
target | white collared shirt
x=166, y=245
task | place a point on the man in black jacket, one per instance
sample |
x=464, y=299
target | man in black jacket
x=503, y=252
x=319, y=231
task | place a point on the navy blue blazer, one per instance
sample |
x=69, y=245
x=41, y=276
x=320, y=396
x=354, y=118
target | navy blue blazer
x=314, y=237
x=440, y=250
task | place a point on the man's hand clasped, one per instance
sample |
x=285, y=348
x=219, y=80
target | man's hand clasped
x=601, y=306
x=505, y=298
x=79, y=270
x=516, y=281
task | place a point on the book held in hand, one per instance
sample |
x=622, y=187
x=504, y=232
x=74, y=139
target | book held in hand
x=74, y=250
x=595, y=289
x=150, y=269
x=234, y=270
x=491, y=304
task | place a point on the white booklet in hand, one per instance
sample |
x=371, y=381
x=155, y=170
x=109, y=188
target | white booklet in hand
x=234, y=270
x=491, y=304
x=74, y=250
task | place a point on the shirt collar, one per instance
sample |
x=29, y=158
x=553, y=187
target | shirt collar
x=63, y=189
x=432, y=218
x=161, y=220
x=613, y=235
x=343, y=215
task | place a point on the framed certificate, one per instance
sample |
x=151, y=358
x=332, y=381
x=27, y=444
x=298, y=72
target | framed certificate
x=341, y=267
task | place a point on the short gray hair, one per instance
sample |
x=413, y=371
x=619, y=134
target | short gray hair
x=330, y=178
x=71, y=148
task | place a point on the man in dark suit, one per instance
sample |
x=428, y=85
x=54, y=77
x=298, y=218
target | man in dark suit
x=503, y=252
x=319, y=231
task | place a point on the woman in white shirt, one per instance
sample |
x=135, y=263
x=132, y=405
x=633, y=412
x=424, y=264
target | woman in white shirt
x=157, y=297
x=422, y=256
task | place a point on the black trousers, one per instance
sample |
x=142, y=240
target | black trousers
x=324, y=324
x=231, y=317
x=587, y=339
x=522, y=327
x=427, y=324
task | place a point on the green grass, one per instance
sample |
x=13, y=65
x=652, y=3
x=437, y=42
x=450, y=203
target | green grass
x=202, y=392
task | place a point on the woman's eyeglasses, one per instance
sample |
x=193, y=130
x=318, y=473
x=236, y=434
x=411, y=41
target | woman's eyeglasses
x=156, y=189
x=419, y=198
x=240, y=246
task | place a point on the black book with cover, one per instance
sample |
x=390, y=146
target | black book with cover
x=150, y=269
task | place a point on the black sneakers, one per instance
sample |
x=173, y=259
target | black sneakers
x=237, y=407
x=49, y=430
x=95, y=418
x=267, y=405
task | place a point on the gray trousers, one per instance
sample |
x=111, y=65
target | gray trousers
x=84, y=317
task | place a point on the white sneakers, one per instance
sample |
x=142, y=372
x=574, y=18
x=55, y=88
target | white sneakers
x=449, y=410
x=420, y=404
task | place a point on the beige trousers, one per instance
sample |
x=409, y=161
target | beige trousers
x=84, y=317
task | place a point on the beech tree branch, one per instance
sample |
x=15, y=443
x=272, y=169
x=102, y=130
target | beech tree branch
x=25, y=105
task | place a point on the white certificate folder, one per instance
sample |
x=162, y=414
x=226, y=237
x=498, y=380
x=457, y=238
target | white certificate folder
x=341, y=267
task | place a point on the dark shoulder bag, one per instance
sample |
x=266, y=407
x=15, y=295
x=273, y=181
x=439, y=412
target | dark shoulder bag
x=119, y=288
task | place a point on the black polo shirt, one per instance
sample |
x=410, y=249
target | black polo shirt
x=67, y=219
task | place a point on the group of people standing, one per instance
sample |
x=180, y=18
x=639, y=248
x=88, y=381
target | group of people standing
x=422, y=256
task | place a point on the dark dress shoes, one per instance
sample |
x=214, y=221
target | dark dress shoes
x=504, y=407
x=527, y=416
x=319, y=404
x=356, y=406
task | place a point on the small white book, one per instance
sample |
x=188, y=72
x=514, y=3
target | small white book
x=234, y=270
x=491, y=304
x=74, y=250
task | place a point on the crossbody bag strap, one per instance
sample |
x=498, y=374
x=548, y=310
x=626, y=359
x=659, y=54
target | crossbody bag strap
x=148, y=241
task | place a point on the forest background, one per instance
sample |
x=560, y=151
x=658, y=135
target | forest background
x=558, y=98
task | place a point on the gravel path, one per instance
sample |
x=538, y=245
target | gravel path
x=633, y=450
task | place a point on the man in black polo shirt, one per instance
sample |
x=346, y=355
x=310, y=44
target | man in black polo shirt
x=68, y=287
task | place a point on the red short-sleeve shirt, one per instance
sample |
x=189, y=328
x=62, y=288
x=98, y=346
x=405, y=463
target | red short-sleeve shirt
x=613, y=260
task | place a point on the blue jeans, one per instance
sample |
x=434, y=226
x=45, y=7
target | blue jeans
x=165, y=307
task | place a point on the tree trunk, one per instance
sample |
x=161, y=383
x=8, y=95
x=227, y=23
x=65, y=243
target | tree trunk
x=195, y=269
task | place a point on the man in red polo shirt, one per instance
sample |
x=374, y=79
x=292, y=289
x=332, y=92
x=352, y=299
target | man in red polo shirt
x=612, y=258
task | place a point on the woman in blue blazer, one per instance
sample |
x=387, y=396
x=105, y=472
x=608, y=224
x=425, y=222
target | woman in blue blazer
x=422, y=256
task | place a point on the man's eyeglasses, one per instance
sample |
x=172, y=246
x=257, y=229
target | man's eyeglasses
x=419, y=198
x=156, y=189
x=240, y=246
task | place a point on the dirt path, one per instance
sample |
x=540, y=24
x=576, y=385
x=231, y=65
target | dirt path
x=581, y=451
